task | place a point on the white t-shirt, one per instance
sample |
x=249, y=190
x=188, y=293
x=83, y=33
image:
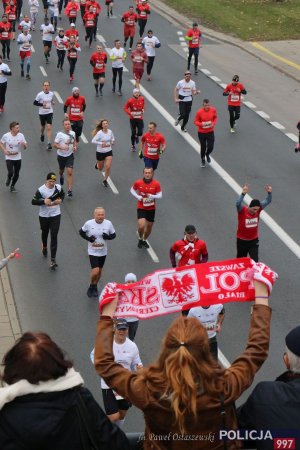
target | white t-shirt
x=25, y=42
x=5, y=68
x=186, y=89
x=65, y=140
x=104, y=141
x=47, y=31
x=33, y=6
x=24, y=23
x=49, y=211
x=149, y=44
x=126, y=354
x=60, y=42
x=92, y=228
x=120, y=54
x=43, y=97
x=207, y=317
x=13, y=145
x=53, y=7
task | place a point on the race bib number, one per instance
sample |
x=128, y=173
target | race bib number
x=98, y=245
x=90, y=23
x=12, y=17
x=99, y=66
x=235, y=97
x=4, y=34
x=105, y=144
x=130, y=23
x=73, y=54
x=251, y=223
x=152, y=150
x=195, y=41
x=209, y=326
x=73, y=13
x=148, y=201
x=75, y=111
x=143, y=14
x=206, y=124
x=136, y=114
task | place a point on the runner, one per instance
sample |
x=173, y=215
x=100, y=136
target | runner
x=133, y=322
x=96, y=10
x=47, y=31
x=5, y=37
x=104, y=138
x=72, y=32
x=71, y=11
x=150, y=43
x=117, y=57
x=98, y=61
x=11, y=11
x=82, y=9
x=97, y=231
x=193, y=37
x=134, y=108
x=19, y=4
x=183, y=95
x=4, y=73
x=248, y=219
x=34, y=11
x=89, y=24
x=61, y=44
x=146, y=191
x=54, y=11
x=76, y=104
x=206, y=119
x=49, y=197
x=153, y=144
x=65, y=143
x=44, y=100
x=143, y=10
x=26, y=21
x=46, y=6
x=139, y=58
x=109, y=7
x=129, y=18
x=12, y=143
x=189, y=250
x=24, y=42
x=73, y=49
x=234, y=91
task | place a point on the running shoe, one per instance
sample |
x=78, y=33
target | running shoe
x=145, y=244
x=7, y=182
x=70, y=194
x=28, y=77
x=203, y=163
x=95, y=292
x=232, y=130
x=208, y=159
x=120, y=93
x=105, y=183
x=140, y=243
x=42, y=138
x=101, y=93
x=90, y=291
x=53, y=264
x=177, y=121
x=113, y=90
x=45, y=251
x=97, y=94
x=133, y=149
x=13, y=189
x=184, y=130
x=49, y=146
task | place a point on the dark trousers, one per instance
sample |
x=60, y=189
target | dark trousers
x=184, y=112
x=60, y=5
x=234, y=114
x=5, y=48
x=72, y=20
x=95, y=27
x=137, y=128
x=130, y=41
x=3, y=87
x=61, y=57
x=19, y=9
x=72, y=62
x=13, y=170
x=89, y=34
x=150, y=64
x=195, y=52
x=133, y=326
x=82, y=11
x=247, y=247
x=77, y=126
x=213, y=347
x=50, y=224
x=142, y=24
x=117, y=71
x=207, y=141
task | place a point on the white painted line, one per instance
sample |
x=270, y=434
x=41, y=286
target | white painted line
x=125, y=69
x=205, y=71
x=249, y=104
x=263, y=114
x=59, y=99
x=84, y=139
x=277, y=229
x=292, y=136
x=32, y=49
x=43, y=71
x=180, y=33
x=100, y=38
x=223, y=360
x=151, y=252
x=277, y=125
x=111, y=184
x=216, y=79
x=223, y=85
x=181, y=38
x=184, y=44
x=185, y=49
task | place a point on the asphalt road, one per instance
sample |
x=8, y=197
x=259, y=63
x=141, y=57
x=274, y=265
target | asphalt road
x=259, y=154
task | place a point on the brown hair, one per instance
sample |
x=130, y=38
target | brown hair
x=184, y=369
x=34, y=357
x=98, y=126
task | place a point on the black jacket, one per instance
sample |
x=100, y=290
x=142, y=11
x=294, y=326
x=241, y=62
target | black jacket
x=49, y=421
x=273, y=405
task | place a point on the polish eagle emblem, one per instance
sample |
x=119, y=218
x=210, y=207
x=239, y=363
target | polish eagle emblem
x=178, y=289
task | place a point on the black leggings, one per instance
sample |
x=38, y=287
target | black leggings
x=142, y=24
x=247, y=247
x=72, y=62
x=234, y=114
x=130, y=41
x=184, y=112
x=3, y=87
x=89, y=34
x=195, y=52
x=137, y=127
x=13, y=170
x=50, y=224
x=150, y=64
x=61, y=57
x=5, y=47
x=117, y=71
x=207, y=141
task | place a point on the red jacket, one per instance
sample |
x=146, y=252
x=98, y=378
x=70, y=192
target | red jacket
x=5, y=31
x=138, y=58
x=72, y=9
x=96, y=7
x=134, y=107
x=206, y=120
x=143, y=11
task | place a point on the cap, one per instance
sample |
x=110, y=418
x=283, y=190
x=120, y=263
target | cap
x=130, y=277
x=51, y=176
x=195, y=24
x=190, y=229
x=122, y=324
x=135, y=91
x=75, y=89
x=73, y=24
x=292, y=341
x=254, y=202
x=235, y=78
x=25, y=27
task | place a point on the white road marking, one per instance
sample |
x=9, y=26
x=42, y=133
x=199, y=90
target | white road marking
x=151, y=252
x=277, y=229
x=184, y=44
x=205, y=71
x=263, y=114
x=111, y=184
x=181, y=38
x=180, y=33
x=43, y=71
x=249, y=104
x=216, y=79
x=223, y=360
x=32, y=49
x=100, y=38
x=277, y=125
x=185, y=49
x=125, y=69
x=59, y=99
x=84, y=139
x=223, y=85
x=292, y=136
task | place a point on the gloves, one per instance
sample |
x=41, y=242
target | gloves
x=141, y=154
x=105, y=236
x=91, y=239
x=265, y=275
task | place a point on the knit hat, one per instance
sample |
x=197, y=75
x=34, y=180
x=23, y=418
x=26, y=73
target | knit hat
x=75, y=89
x=254, y=202
x=130, y=277
x=292, y=341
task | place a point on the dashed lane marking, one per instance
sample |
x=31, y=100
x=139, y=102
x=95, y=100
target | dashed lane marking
x=59, y=99
x=292, y=136
x=43, y=71
x=249, y=104
x=277, y=125
x=263, y=114
x=151, y=252
x=84, y=139
x=111, y=184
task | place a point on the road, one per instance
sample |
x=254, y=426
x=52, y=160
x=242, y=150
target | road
x=258, y=153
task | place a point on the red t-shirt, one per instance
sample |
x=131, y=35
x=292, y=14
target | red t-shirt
x=89, y=20
x=99, y=60
x=143, y=11
x=5, y=33
x=70, y=32
x=138, y=58
x=75, y=105
x=134, y=107
x=71, y=9
x=129, y=19
x=248, y=224
x=234, y=99
x=151, y=144
x=206, y=120
x=144, y=189
x=11, y=13
x=96, y=7
x=190, y=254
x=195, y=35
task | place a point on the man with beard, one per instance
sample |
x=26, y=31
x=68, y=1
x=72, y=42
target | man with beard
x=76, y=104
